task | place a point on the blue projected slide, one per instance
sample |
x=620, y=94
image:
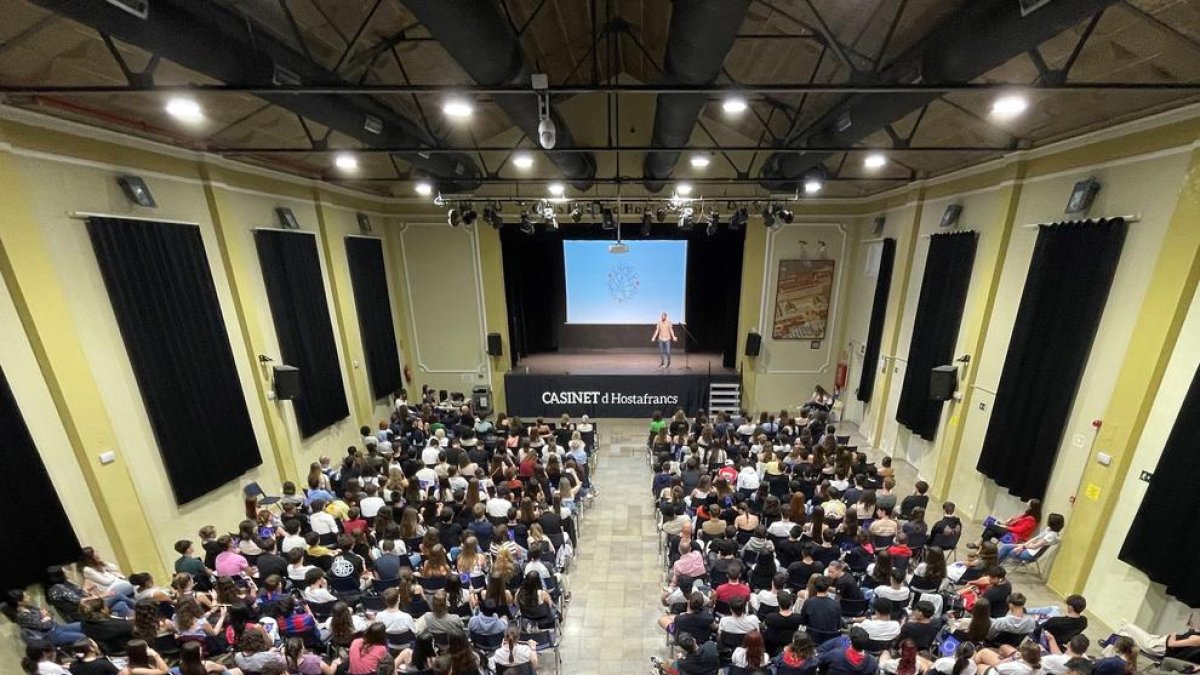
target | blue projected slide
x=625, y=288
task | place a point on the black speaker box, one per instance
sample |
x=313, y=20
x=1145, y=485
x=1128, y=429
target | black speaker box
x=753, y=344
x=943, y=380
x=494, y=346
x=287, y=383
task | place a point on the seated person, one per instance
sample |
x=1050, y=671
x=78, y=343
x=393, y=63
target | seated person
x=922, y=627
x=945, y=532
x=821, y=612
x=918, y=499
x=1178, y=648
x=696, y=659
x=781, y=623
x=1058, y=628
x=851, y=658
x=1020, y=526
x=1055, y=663
x=738, y=621
x=1016, y=621
x=896, y=590
x=881, y=627
x=903, y=659
x=1045, y=539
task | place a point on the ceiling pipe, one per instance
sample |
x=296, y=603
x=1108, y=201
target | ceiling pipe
x=981, y=37
x=483, y=44
x=701, y=34
x=221, y=44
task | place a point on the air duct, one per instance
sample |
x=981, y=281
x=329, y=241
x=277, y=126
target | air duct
x=221, y=44
x=700, y=36
x=483, y=44
x=983, y=36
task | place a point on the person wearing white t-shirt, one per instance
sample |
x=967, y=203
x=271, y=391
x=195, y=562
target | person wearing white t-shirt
x=369, y=506
x=747, y=479
x=1056, y=664
x=881, y=627
x=497, y=507
x=961, y=663
x=429, y=456
x=394, y=619
x=321, y=521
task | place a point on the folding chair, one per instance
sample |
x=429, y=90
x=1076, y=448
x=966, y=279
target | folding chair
x=487, y=643
x=1036, y=562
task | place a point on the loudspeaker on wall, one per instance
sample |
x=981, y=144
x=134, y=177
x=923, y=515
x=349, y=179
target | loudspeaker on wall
x=287, y=383
x=943, y=380
x=494, y=346
x=753, y=344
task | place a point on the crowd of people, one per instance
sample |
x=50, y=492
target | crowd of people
x=441, y=544
x=788, y=551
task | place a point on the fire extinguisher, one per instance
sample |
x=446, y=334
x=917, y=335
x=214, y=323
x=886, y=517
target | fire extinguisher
x=843, y=370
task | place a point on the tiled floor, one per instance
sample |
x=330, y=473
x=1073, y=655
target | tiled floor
x=617, y=580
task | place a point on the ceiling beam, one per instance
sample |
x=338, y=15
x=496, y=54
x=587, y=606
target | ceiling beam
x=607, y=148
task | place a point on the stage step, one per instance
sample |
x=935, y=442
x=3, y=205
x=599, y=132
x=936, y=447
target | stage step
x=724, y=397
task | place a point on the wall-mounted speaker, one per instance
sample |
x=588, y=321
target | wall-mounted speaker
x=364, y=223
x=943, y=380
x=287, y=219
x=1082, y=196
x=137, y=192
x=287, y=383
x=495, y=347
x=950, y=216
x=753, y=344
x=877, y=225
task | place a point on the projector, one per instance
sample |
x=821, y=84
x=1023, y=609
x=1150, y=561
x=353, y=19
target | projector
x=618, y=247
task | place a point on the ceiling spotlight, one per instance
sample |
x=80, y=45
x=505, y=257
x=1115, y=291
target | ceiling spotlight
x=738, y=220
x=345, y=161
x=1009, y=106
x=683, y=189
x=786, y=216
x=734, y=105
x=469, y=215
x=522, y=160
x=423, y=188
x=458, y=108
x=549, y=218
x=556, y=189
x=607, y=219
x=527, y=225
x=685, y=218
x=661, y=215
x=812, y=186
x=185, y=109
x=645, y=231
x=576, y=214
x=768, y=217
x=700, y=161
x=453, y=218
x=547, y=134
x=875, y=160
x=492, y=217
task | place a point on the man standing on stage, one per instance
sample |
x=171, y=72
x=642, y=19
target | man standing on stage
x=664, y=335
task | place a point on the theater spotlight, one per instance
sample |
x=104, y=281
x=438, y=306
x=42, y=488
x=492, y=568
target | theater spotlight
x=685, y=219
x=549, y=218
x=576, y=214
x=738, y=220
x=469, y=215
x=661, y=215
x=527, y=225
x=768, y=216
x=786, y=216
x=491, y=215
x=453, y=218
x=607, y=219
x=645, y=232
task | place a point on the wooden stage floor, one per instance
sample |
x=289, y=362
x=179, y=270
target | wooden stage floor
x=621, y=362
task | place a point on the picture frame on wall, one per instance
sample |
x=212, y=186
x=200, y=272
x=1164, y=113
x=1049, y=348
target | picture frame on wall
x=803, y=289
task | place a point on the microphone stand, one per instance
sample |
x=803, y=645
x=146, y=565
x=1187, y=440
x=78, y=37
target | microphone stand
x=687, y=352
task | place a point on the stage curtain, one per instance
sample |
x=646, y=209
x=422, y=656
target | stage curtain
x=883, y=286
x=935, y=328
x=535, y=286
x=40, y=520
x=296, y=292
x=1161, y=541
x=1065, y=293
x=368, y=277
x=162, y=294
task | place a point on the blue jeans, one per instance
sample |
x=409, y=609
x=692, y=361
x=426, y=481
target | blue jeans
x=66, y=634
x=1006, y=551
x=664, y=352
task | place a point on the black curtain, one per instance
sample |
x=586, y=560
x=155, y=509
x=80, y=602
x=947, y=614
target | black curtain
x=935, y=328
x=883, y=286
x=162, y=293
x=535, y=285
x=1161, y=541
x=1069, y=278
x=296, y=291
x=40, y=521
x=368, y=277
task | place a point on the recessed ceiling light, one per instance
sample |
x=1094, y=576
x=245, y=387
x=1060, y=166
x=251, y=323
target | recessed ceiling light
x=812, y=186
x=522, y=160
x=875, y=160
x=700, y=161
x=734, y=105
x=423, y=188
x=1009, y=106
x=184, y=109
x=556, y=189
x=345, y=161
x=683, y=189
x=457, y=108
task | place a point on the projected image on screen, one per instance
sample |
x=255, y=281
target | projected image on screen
x=633, y=287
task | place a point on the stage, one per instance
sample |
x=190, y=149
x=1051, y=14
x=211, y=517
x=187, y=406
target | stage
x=612, y=383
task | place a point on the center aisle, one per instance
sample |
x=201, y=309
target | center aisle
x=616, y=583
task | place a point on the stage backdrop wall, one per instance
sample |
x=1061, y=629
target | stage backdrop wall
x=536, y=290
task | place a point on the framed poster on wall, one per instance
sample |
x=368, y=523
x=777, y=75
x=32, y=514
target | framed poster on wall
x=802, y=293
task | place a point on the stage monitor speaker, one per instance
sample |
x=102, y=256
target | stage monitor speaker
x=287, y=383
x=753, y=344
x=943, y=380
x=494, y=346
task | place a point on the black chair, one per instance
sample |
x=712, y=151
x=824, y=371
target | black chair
x=321, y=610
x=877, y=647
x=431, y=585
x=372, y=602
x=486, y=642
x=881, y=542
x=400, y=641
x=820, y=637
x=1010, y=639
x=378, y=586
x=721, y=608
x=852, y=608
